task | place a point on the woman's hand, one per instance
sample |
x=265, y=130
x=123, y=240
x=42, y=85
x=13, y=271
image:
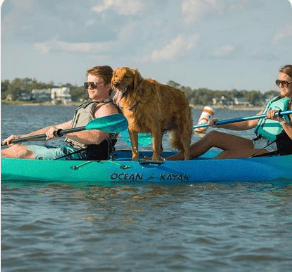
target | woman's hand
x=212, y=121
x=271, y=115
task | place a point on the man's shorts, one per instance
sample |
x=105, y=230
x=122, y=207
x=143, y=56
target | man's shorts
x=264, y=143
x=48, y=152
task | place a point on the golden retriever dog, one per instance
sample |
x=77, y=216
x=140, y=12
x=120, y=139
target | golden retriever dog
x=150, y=106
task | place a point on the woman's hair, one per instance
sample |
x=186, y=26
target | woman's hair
x=287, y=69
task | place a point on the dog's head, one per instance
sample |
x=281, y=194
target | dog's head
x=124, y=80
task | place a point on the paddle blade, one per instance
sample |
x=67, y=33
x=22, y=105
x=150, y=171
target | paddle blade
x=235, y=120
x=144, y=139
x=111, y=123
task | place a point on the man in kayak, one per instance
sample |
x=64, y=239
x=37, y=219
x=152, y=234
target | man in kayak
x=274, y=134
x=87, y=144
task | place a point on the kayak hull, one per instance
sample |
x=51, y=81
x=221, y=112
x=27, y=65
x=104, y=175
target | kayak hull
x=123, y=171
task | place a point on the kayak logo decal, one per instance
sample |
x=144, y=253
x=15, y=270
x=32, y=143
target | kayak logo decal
x=182, y=177
x=140, y=177
x=127, y=176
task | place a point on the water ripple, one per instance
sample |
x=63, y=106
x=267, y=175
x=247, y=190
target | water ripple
x=205, y=227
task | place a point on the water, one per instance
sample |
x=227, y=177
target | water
x=205, y=227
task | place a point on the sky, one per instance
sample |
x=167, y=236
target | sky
x=215, y=44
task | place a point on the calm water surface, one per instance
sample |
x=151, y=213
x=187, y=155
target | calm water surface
x=205, y=227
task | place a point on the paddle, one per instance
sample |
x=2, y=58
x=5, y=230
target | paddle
x=145, y=139
x=281, y=113
x=114, y=123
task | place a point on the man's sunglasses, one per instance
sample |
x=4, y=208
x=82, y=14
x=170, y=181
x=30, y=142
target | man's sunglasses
x=92, y=85
x=283, y=83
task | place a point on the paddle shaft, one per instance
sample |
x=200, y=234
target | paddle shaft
x=114, y=123
x=235, y=120
x=38, y=137
x=146, y=139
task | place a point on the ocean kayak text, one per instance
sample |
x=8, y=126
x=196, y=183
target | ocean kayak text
x=140, y=177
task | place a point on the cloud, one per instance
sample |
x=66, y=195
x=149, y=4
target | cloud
x=244, y=4
x=32, y=21
x=223, y=51
x=57, y=45
x=17, y=12
x=123, y=7
x=290, y=2
x=194, y=10
x=262, y=54
x=177, y=47
x=129, y=40
x=90, y=22
x=282, y=34
x=43, y=48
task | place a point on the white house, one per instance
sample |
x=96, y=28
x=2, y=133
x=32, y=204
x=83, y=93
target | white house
x=242, y=101
x=41, y=95
x=55, y=95
x=60, y=95
x=224, y=101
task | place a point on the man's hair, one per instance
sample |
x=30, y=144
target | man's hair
x=105, y=72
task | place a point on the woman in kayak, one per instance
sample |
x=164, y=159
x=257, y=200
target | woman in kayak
x=88, y=144
x=274, y=134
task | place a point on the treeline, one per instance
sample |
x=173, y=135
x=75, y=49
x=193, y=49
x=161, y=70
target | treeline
x=204, y=96
x=19, y=86
x=201, y=96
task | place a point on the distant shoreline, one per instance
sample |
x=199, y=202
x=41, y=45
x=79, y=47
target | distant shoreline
x=76, y=104
x=22, y=103
x=226, y=107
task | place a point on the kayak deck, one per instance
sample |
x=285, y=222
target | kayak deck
x=121, y=170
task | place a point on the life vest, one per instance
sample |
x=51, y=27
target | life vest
x=270, y=128
x=84, y=114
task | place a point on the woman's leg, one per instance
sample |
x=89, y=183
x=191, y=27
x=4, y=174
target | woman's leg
x=17, y=151
x=233, y=146
x=241, y=153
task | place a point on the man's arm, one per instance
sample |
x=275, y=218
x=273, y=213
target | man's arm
x=46, y=130
x=94, y=136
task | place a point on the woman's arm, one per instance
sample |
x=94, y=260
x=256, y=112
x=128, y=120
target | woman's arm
x=243, y=125
x=287, y=127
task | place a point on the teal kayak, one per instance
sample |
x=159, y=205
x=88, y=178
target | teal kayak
x=121, y=170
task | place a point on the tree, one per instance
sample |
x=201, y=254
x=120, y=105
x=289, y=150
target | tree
x=78, y=93
x=4, y=88
x=173, y=84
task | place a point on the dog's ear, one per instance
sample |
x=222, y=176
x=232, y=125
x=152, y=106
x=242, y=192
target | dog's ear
x=137, y=78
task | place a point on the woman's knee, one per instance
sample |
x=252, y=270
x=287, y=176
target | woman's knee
x=219, y=139
x=213, y=135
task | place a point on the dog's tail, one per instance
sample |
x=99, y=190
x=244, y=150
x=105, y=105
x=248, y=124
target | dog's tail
x=180, y=138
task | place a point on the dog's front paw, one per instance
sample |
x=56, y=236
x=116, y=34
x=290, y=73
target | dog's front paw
x=156, y=158
x=148, y=160
x=135, y=158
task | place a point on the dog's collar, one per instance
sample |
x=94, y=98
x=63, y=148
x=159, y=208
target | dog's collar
x=124, y=91
x=133, y=105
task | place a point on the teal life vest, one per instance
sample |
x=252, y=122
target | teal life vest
x=270, y=128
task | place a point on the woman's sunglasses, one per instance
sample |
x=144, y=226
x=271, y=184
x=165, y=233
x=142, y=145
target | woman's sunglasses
x=283, y=83
x=91, y=84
